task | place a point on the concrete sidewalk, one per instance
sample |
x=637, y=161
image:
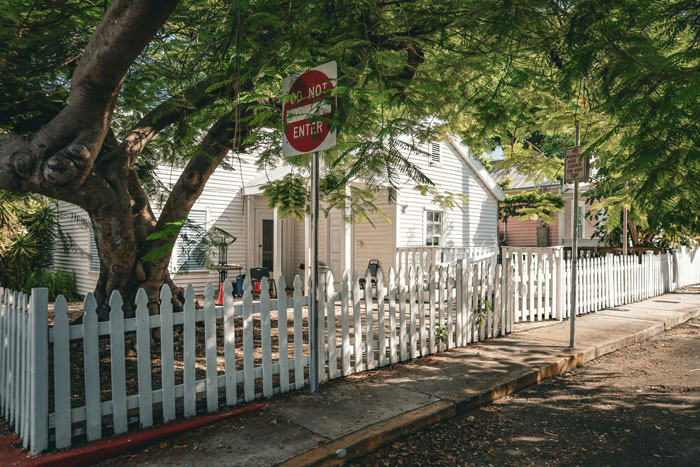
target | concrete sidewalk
x=355, y=415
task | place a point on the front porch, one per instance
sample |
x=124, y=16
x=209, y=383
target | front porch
x=283, y=245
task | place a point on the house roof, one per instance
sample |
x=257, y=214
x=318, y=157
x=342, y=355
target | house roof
x=519, y=180
x=254, y=187
x=468, y=157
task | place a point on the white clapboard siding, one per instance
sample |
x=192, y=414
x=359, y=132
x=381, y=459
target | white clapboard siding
x=392, y=320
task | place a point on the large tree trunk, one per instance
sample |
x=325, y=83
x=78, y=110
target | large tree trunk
x=122, y=220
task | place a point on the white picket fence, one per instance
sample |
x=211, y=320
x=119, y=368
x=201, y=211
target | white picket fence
x=67, y=382
x=24, y=364
x=536, y=286
x=425, y=256
x=539, y=280
x=688, y=266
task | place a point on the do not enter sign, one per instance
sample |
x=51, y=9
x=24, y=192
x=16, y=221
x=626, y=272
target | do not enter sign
x=307, y=113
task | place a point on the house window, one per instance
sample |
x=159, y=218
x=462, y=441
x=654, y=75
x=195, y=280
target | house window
x=191, y=246
x=433, y=228
x=435, y=154
x=94, y=255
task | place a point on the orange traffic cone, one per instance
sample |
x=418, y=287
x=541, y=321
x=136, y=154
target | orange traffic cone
x=220, y=300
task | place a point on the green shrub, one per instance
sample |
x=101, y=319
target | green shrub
x=28, y=229
x=58, y=282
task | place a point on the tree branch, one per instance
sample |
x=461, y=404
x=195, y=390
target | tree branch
x=216, y=145
x=173, y=109
x=60, y=155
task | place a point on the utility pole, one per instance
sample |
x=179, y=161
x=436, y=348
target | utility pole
x=574, y=249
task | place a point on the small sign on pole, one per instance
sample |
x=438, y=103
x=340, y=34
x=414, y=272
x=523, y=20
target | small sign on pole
x=307, y=113
x=575, y=166
x=575, y=170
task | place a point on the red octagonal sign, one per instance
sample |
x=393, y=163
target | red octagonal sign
x=306, y=115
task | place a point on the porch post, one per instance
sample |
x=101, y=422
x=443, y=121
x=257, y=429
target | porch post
x=250, y=234
x=276, y=245
x=347, y=238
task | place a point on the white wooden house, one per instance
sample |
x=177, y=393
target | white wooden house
x=417, y=231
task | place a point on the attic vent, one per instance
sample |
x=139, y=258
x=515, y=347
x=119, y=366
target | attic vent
x=435, y=154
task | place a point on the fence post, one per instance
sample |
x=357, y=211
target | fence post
x=39, y=370
x=561, y=285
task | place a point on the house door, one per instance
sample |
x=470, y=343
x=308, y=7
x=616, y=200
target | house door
x=335, y=245
x=265, y=243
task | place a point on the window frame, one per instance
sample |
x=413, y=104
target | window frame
x=432, y=223
x=177, y=259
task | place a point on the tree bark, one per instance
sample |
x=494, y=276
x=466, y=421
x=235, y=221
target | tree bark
x=123, y=220
x=60, y=155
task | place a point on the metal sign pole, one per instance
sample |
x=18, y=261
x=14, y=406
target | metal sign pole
x=624, y=227
x=313, y=296
x=574, y=252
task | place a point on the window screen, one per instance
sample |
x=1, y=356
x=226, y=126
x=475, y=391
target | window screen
x=191, y=247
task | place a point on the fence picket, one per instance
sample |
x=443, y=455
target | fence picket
x=458, y=304
x=321, y=334
x=449, y=286
x=282, y=334
x=412, y=312
x=298, y=335
x=431, y=308
x=93, y=408
x=490, y=297
x=117, y=365
x=210, y=349
x=392, y=317
x=230, y=345
x=248, y=358
x=39, y=388
x=357, y=324
x=369, y=325
x=188, y=350
x=421, y=311
x=332, y=339
x=61, y=372
x=167, y=349
x=23, y=398
x=143, y=342
x=499, y=326
x=266, y=337
x=381, y=324
x=4, y=293
x=12, y=365
x=345, y=323
x=332, y=342
x=402, y=295
x=441, y=286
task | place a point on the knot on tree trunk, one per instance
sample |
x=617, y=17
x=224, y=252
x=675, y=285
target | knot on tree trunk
x=69, y=167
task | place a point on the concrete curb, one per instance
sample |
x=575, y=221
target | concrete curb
x=368, y=439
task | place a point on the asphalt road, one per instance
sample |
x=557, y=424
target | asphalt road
x=635, y=407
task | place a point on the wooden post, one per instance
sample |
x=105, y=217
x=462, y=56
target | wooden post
x=39, y=370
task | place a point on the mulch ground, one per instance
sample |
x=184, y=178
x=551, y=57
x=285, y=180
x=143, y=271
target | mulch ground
x=638, y=406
